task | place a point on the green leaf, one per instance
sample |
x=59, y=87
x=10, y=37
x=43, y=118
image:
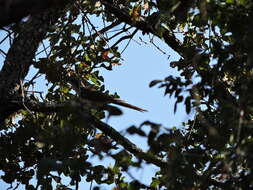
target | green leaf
x=155, y=183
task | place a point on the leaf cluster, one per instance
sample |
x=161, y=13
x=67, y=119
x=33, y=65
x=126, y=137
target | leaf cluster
x=55, y=135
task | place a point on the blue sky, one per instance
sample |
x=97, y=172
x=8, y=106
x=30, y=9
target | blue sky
x=142, y=64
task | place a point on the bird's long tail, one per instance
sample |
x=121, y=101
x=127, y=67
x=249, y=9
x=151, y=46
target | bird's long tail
x=124, y=104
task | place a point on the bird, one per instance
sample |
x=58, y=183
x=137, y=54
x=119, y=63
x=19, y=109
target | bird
x=94, y=98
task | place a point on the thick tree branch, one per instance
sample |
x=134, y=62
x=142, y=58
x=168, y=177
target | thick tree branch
x=14, y=10
x=128, y=145
x=105, y=128
x=20, y=57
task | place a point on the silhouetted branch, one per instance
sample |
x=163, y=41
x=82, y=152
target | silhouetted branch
x=14, y=10
x=20, y=57
x=108, y=130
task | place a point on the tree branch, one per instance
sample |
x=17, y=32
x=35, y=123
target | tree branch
x=146, y=27
x=20, y=57
x=14, y=10
x=128, y=145
x=105, y=128
x=171, y=40
x=103, y=30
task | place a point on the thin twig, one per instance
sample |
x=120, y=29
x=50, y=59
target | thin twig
x=105, y=29
x=120, y=32
x=45, y=48
x=157, y=47
x=91, y=183
x=7, y=36
x=94, y=28
x=240, y=126
x=136, y=30
x=124, y=38
x=2, y=52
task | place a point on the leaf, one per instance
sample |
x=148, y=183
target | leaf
x=98, y=4
x=135, y=13
x=145, y=7
x=180, y=99
x=155, y=183
x=154, y=82
x=134, y=130
x=188, y=104
x=99, y=135
x=175, y=107
x=105, y=55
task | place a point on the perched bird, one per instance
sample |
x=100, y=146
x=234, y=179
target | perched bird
x=94, y=98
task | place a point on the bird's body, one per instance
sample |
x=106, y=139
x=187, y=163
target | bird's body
x=96, y=98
